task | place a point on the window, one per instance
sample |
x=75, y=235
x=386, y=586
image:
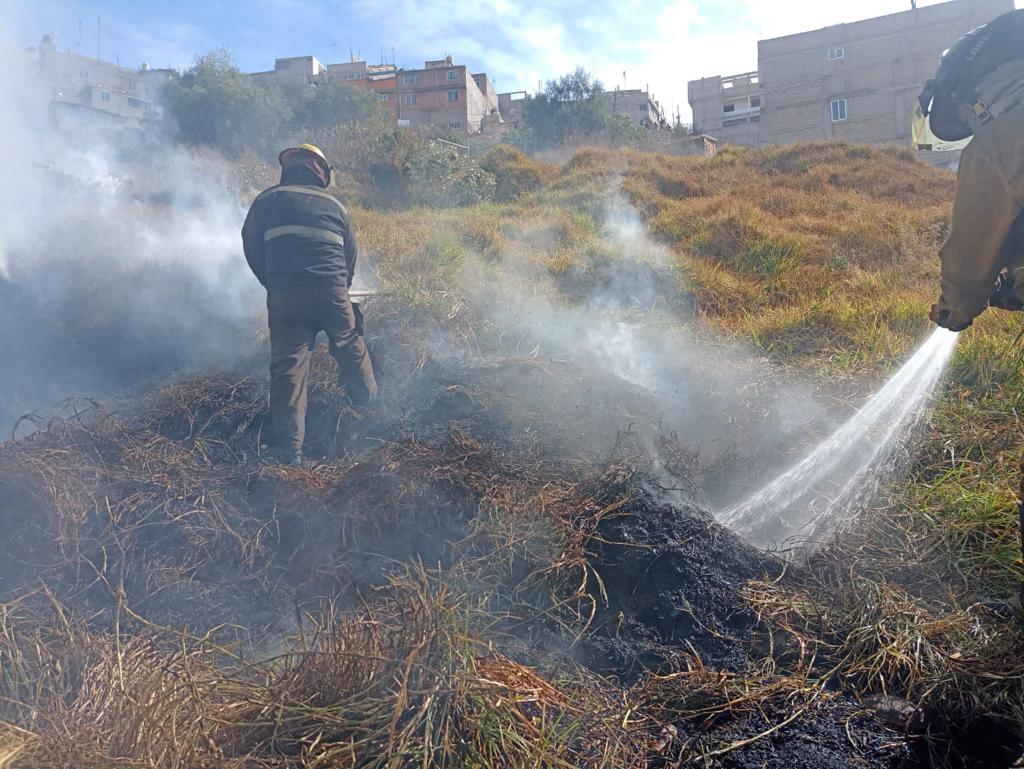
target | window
x=453, y=125
x=755, y=101
x=453, y=95
x=755, y=79
x=384, y=96
x=729, y=108
x=84, y=74
x=105, y=95
x=834, y=54
x=411, y=79
x=728, y=84
x=453, y=74
x=410, y=98
x=838, y=110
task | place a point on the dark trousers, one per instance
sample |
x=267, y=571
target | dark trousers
x=296, y=314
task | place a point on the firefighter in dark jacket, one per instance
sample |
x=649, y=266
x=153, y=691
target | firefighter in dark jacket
x=978, y=92
x=299, y=243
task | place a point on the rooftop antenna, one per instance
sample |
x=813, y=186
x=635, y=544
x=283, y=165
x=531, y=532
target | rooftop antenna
x=79, y=35
x=334, y=53
x=99, y=36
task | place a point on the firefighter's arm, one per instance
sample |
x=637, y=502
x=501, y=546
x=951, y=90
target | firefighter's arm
x=983, y=216
x=351, y=251
x=252, y=241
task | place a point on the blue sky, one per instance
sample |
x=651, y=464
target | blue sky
x=660, y=43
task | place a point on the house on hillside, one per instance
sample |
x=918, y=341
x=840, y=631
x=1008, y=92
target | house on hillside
x=857, y=81
x=448, y=96
x=86, y=95
x=636, y=105
x=442, y=94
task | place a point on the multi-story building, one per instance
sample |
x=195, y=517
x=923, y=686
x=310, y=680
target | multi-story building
x=86, y=95
x=310, y=72
x=379, y=78
x=639, y=106
x=728, y=107
x=294, y=70
x=510, y=106
x=442, y=94
x=857, y=81
x=446, y=95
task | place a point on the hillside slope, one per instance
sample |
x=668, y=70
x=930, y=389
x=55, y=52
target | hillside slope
x=512, y=561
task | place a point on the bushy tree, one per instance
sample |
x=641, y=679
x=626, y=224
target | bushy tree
x=336, y=103
x=439, y=176
x=214, y=103
x=570, y=108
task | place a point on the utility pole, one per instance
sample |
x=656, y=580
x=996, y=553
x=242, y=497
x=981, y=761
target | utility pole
x=99, y=37
x=79, y=35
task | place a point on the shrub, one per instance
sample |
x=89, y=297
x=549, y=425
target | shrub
x=442, y=176
x=515, y=172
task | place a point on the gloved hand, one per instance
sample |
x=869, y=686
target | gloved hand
x=942, y=316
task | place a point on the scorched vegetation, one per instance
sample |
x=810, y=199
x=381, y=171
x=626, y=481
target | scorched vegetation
x=511, y=562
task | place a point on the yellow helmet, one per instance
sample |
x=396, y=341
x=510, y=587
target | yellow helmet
x=310, y=148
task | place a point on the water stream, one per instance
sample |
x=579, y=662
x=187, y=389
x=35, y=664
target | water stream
x=845, y=470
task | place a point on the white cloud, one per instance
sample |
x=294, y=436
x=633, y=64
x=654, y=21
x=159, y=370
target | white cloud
x=660, y=43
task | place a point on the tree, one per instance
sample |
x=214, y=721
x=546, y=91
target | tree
x=215, y=104
x=577, y=86
x=572, y=107
x=337, y=103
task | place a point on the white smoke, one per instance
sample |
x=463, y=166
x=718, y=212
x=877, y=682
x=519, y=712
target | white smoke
x=630, y=319
x=120, y=263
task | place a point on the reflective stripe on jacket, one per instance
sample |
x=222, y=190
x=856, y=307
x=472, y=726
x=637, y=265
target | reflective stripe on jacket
x=299, y=233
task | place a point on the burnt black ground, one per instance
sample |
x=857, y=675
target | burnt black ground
x=672, y=578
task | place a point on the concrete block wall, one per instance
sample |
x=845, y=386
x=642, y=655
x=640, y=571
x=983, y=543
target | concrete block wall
x=885, y=61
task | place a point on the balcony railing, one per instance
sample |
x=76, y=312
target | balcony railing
x=744, y=80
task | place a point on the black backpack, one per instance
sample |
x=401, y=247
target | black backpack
x=976, y=54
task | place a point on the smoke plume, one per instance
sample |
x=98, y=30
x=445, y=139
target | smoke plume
x=120, y=264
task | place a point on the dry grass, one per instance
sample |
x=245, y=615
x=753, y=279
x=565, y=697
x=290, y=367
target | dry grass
x=399, y=683
x=819, y=255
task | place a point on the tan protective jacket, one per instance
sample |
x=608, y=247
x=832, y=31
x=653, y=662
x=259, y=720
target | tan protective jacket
x=989, y=199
